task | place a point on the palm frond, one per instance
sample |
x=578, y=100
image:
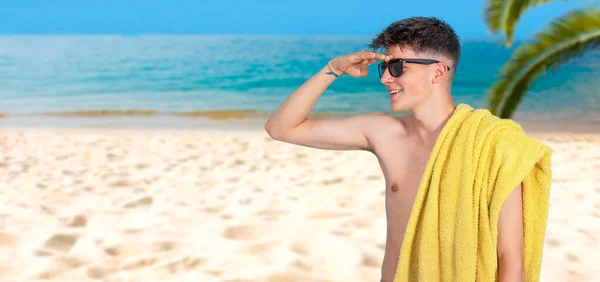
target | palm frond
x=493, y=14
x=503, y=15
x=564, y=39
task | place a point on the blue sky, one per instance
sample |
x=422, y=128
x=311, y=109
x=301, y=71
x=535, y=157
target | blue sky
x=299, y=17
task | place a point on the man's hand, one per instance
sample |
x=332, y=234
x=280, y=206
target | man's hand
x=356, y=64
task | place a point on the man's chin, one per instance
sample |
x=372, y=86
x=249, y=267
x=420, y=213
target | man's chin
x=397, y=108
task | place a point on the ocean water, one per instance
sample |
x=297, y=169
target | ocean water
x=245, y=74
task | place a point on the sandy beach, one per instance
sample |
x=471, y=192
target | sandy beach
x=204, y=205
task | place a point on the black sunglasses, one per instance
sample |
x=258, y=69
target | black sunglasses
x=396, y=65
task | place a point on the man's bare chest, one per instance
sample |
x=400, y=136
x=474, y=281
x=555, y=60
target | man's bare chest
x=403, y=167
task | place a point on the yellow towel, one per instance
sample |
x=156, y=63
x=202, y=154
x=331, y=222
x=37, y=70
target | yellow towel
x=477, y=160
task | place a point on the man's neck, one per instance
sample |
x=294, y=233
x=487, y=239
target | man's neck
x=429, y=118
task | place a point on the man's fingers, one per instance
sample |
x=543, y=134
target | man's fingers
x=367, y=55
x=385, y=57
x=372, y=55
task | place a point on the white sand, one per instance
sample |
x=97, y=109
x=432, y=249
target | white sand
x=157, y=205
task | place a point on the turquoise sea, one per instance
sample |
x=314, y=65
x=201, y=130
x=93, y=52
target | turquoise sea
x=42, y=76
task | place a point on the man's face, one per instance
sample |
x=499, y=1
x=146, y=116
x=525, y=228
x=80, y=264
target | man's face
x=413, y=86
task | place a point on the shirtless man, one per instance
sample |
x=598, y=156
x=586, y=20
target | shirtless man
x=402, y=145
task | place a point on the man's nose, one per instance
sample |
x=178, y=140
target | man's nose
x=386, y=77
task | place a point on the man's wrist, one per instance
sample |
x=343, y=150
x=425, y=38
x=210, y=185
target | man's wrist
x=332, y=71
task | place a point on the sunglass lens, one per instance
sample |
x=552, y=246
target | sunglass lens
x=381, y=68
x=396, y=69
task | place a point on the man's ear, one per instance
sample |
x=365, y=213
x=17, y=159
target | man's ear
x=441, y=73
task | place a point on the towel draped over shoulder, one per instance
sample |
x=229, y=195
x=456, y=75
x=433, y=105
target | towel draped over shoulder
x=477, y=161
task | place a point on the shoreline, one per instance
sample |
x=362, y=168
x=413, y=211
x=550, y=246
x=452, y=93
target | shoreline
x=160, y=122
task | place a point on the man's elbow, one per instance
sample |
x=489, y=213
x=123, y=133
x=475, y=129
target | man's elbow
x=273, y=130
x=269, y=128
x=281, y=132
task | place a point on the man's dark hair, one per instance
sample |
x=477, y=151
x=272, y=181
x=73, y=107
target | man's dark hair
x=422, y=35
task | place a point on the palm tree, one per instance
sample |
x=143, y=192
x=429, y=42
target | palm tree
x=564, y=39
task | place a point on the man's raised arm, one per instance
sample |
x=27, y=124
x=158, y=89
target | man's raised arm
x=290, y=123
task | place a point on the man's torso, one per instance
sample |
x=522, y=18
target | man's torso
x=403, y=158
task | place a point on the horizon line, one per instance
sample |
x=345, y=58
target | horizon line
x=128, y=34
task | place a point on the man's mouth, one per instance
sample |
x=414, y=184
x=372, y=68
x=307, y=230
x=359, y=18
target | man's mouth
x=395, y=91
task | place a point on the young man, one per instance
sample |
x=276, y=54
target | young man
x=421, y=58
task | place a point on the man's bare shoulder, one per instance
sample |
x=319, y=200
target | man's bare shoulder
x=380, y=123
